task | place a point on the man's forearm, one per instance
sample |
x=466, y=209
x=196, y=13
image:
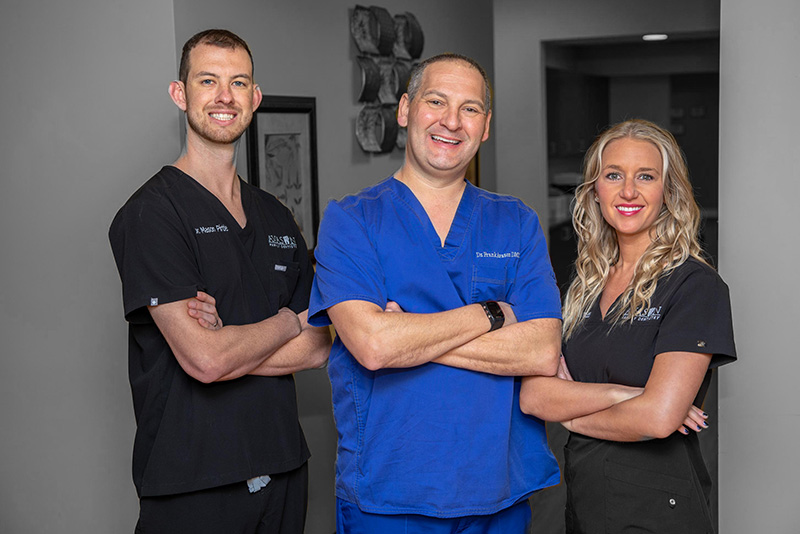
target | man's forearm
x=383, y=339
x=309, y=350
x=521, y=349
x=554, y=399
x=227, y=353
x=235, y=351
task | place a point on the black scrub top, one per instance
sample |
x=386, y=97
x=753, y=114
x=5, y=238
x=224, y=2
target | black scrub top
x=172, y=238
x=659, y=485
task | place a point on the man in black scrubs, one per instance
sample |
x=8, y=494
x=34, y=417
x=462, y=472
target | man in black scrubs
x=218, y=445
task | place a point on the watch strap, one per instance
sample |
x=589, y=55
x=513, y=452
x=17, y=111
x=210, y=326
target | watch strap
x=494, y=313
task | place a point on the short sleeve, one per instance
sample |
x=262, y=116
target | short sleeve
x=698, y=319
x=347, y=264
x=534, y=294
x=153, y=256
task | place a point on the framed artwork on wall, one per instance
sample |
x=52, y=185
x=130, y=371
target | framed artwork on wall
x=282, y=157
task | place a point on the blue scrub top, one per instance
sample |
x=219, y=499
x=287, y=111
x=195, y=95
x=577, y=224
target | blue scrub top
x=432, y=439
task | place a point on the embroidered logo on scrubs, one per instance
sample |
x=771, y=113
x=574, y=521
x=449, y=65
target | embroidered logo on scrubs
x=211, y=229
x=650, y=314
x=513, y=254
x=282, y=241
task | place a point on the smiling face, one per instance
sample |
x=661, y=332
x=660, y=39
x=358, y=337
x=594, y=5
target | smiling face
x=219, y=95
x=630, y=188
x=447, y=120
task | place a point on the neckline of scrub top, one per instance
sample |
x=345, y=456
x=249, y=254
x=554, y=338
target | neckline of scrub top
x=597, y=314
x=245, y=199
x=458, y=228
x=596, y=306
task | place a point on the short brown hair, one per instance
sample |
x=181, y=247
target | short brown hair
x=415, y=80
x=214, y=37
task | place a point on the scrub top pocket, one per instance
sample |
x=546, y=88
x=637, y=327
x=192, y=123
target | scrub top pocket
x=489, y=283
x=283, y=276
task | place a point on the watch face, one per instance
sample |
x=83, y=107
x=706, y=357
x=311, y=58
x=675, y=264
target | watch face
x=494, y=307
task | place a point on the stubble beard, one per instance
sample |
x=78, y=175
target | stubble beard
x=198, y=122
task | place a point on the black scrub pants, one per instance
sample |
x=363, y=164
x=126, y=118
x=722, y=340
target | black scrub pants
x=279, y=508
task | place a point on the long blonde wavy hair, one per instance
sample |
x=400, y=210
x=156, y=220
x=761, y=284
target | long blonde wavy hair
x=674, y=233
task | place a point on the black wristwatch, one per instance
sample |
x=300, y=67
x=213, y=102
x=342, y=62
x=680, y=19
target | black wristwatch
x=494, y=313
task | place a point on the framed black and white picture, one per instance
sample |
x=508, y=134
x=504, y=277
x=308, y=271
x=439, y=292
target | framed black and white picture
x=282, y=157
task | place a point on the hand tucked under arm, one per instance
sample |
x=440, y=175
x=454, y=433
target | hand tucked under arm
x=696, y=420
x=309, y=350
x=203, y=308
x=563, y=371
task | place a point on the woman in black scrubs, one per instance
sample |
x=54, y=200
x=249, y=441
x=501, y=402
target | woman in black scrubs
x=645, y=320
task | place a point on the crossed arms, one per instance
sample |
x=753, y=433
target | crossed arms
x=622, y=413
x=390, y=338
x=210, y=352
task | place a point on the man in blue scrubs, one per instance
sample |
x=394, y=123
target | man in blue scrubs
x=442, y=295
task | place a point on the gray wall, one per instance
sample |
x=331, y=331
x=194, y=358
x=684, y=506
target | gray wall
x=759, y=400
x=86, y=120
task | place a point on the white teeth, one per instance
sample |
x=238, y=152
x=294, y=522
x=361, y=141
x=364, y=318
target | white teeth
x=629, y=209
x=443, y=140
x=222, y=116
